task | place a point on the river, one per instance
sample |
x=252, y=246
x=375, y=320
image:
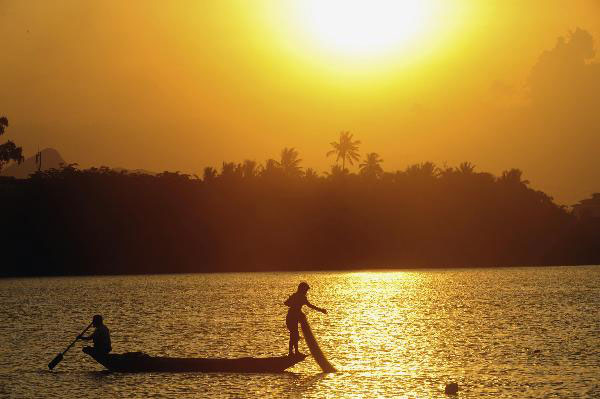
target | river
x=499, y=333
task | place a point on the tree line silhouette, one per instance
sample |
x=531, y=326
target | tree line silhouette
x=278, y=216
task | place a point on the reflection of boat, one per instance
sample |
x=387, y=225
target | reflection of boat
x=135, y=362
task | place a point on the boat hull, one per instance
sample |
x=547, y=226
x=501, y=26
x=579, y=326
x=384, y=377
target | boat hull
x=138, y=362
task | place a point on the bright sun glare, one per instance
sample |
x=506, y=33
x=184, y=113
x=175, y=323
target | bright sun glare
x=365, y=27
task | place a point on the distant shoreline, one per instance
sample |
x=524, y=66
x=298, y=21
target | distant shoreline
x=69, y=222
x=340, y=270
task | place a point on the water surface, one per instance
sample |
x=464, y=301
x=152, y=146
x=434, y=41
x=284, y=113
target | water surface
x=507, y=332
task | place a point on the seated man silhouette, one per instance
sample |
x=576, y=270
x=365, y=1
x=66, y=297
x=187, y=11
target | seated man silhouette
x=100, y=337
x=295, y=303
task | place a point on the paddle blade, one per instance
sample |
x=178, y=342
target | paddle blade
x=55, y=361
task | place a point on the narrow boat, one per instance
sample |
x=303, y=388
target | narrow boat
x=136, y=362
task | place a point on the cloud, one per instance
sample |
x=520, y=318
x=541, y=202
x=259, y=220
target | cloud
x=560, y=127
x=566, y=77
x=550, y=125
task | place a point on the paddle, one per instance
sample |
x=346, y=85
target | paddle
x=59, y=357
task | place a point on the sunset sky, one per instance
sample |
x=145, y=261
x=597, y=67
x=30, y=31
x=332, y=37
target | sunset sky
x=182, y=85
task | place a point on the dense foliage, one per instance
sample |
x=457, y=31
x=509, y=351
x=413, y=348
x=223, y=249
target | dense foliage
x=8, y=150
x=278, y=217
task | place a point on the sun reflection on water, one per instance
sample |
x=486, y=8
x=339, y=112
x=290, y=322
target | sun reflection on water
x=497, y=333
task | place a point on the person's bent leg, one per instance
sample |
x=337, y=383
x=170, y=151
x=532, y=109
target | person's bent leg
x=94, y=352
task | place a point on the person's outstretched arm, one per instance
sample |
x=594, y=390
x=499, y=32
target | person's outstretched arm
x=89, y=337
x=318, y=309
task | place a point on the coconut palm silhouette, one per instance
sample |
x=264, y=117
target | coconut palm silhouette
x=290, y=163
x=209, y=174
x=249, y=169
x=346, y=149
x=371, y=166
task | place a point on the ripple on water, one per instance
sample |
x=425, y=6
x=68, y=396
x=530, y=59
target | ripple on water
x=510, y=333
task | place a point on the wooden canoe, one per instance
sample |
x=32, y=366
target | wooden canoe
x=136, y=362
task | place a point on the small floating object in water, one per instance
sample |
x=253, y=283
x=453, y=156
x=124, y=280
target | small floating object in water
x=451, y=389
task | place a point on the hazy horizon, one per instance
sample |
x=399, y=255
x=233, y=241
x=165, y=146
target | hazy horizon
x=180, y=86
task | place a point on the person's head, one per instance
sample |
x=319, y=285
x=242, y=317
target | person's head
x=97, y=320
x=303, y=287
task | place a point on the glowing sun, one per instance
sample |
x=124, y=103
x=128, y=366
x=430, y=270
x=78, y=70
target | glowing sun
x=365, y=27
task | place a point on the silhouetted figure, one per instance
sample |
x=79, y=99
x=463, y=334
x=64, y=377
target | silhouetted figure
x=295, y=303
x=100, y=336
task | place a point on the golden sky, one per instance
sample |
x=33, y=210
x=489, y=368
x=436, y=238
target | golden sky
x=180, y=85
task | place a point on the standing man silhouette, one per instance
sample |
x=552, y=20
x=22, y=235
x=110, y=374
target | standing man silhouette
x=295, y=303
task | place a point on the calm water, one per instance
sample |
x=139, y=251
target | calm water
x=499, y=333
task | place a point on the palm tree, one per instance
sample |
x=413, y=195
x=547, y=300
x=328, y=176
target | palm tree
x=209, y=174
x=447, y=172
x=371, y=166
x=270, y=168
x=290, y=164
x=424, y=170
x=466, y=168
x=249, y=169
x=311, y=174
x=337, y=172
x=513, y=176
x=231, y=170
x=345, y=149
